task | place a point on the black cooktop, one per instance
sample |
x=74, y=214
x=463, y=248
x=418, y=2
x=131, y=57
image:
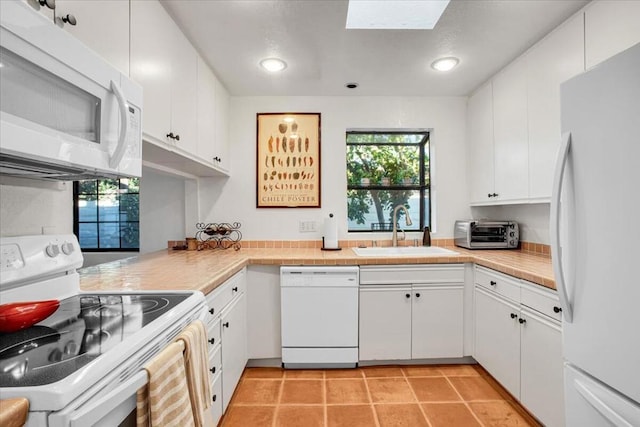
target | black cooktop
x=82, y=328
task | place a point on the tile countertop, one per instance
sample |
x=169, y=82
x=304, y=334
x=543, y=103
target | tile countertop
x=207, y=269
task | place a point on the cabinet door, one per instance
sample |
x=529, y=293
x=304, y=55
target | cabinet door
x=510, y=139
x=480, y=145
x=385, y=323
x=184, y=70
x=206, y=112
x=436, y=321
x=103, y=25
x=222, y=126
x=234, y=346
x=497, y=339
x=541, y=371
x=151, y=34
x=556, y=58
x=610, y=27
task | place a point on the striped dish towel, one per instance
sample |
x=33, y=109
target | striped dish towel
x=164, y=400
x=196, y=358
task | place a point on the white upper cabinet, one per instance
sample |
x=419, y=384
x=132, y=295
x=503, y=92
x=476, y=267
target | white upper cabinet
x=165, y=64
x=103, y=25
x=222, y=127
x=556, y=58
x=510, y=137
x=206, y=112
x=610, y=27
x=480, y=144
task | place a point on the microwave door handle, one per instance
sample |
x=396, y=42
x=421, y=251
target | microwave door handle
x=116, y=157
x=554, y=223
x=102, y=406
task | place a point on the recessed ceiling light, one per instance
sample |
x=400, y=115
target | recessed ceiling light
x=395, y=15
x=351, y=85
x=273, y=64
x=445, y=64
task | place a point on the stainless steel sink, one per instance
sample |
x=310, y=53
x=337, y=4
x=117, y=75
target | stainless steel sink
x=406, y=251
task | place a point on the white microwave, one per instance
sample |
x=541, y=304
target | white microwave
x=65, y=113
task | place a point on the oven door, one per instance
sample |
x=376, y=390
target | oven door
x=115, y=408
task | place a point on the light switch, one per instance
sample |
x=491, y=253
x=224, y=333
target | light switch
x=307, y=226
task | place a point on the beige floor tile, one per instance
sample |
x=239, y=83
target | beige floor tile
x=264, y=392
x=304, y=373
x=475, y=388
x=458, y=370
x=400, y=415
x=433, y=389
x=382, y=371
x=422, y=371
x=300, y=416
x=390, y=390
x=350, y=416
x=263, y=373
x=343, y=391
x=302, y=392
x=449, y=414
x=343, y=373
x=243, y=416
x=499, y=414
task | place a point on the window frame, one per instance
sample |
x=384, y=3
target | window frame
x=423, y=187
x=77, y=222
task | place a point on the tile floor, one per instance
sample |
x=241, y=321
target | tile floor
x=411, y=396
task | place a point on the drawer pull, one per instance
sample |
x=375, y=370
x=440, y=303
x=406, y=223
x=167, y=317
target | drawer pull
x=212, y=340
x=556, y=309
x=212, y=310
x=213, y=370
x=214, y=397
x=492, y=283
x=235, y=289
x=522, y=321
x=514, y=316
x=226, y=324
x=418, y=295
x=407, y=295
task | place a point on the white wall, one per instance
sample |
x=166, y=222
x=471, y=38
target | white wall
x=234, y=199
x=162, y=210
x=26, y=206
x=533, y=219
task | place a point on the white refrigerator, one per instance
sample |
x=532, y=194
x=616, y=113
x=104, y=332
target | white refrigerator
x=595, y=240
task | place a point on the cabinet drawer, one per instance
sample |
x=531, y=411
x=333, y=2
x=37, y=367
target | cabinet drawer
x=213, y=334
x=542, y=300
x=410, y=274
x=215, y=362
x=224, y=293
x=216, y=396
x=504, y=285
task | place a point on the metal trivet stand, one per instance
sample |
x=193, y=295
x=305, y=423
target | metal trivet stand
x=218, y=235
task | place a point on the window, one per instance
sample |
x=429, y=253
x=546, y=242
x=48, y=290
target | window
x=384, y=170
x=105, y=214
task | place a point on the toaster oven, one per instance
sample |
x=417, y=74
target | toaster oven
x=486, y=234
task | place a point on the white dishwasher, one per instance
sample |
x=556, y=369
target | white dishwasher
x=319, y=316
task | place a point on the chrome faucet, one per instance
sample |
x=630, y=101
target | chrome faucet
x=394, y=237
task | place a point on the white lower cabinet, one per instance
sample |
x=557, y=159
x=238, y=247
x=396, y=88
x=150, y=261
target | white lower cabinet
x=411, y=312
x=227, y=338
x=518, y=340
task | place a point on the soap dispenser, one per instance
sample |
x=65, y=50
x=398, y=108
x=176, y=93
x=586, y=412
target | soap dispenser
x=426, y=237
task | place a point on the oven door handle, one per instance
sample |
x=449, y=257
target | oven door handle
x=100, y=407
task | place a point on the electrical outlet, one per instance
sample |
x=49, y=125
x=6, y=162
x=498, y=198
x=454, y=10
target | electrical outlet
x=307, y=226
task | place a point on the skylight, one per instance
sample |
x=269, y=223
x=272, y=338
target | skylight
x=395, y=14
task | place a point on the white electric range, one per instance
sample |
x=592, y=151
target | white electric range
x=82, y=365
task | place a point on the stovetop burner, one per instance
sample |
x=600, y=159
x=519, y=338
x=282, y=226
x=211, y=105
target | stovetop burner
x=84, y=327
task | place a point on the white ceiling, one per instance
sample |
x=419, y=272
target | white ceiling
x=310, y=35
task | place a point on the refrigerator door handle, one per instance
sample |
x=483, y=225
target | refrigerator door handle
x=556, y=252
x=599, y=405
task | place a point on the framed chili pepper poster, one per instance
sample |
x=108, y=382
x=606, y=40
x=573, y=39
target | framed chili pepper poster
x=288, y=160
